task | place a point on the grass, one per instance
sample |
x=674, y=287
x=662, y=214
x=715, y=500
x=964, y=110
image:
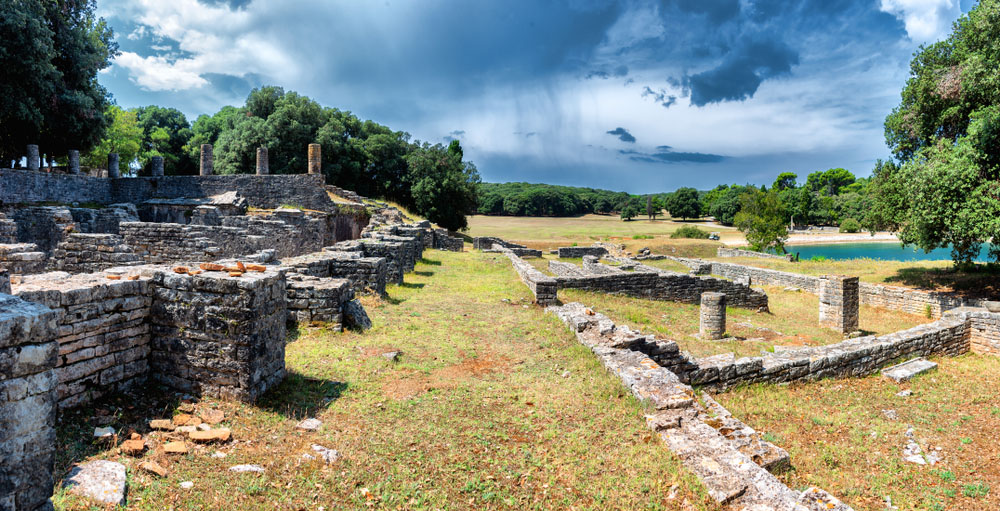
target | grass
x=492, y=405
x=840, y=440
x=791, y=322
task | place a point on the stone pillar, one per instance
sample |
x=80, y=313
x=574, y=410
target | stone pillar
x=262, y=169
x=838, y=303
x=315, y=160
x=113, y=171
x=28, y=352
x=713, y=316
x=34, y=160
x=157, y=166
x=206, y=159
x=74, y=161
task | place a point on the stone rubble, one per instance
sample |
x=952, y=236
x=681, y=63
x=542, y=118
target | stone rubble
x=101, y=480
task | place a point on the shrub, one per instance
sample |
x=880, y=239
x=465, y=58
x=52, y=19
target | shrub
x=818, y=259
x=690, y=231
x=850, y=225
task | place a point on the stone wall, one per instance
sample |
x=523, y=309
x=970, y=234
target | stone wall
x=217, y=335
x=671, y=286
x=577, y=252
x=45, y=226
x=103, y=220
x=492, y=244
x=27, y=404
x=8, y=230
x=316, y=300
x=22, y=258
x=366, y=274
x=4, y=281
x=542, y=286
x=838, y=303
x=984, y=330
x=102, y=332
x=89, y=253
x=736, y=252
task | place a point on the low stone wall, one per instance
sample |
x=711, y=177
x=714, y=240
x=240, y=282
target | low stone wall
x=577, y=252
x=542, y=286
x=736, y=252
x=984, y=330
x=4, y=281
x=766, y=277
x=8, y=230
x=219, y=336
x=27, y=404
x=443, y=240
x=102, y=332
x=89, y=253
x=366, y=274
x=23, y=258
x=314, y=300
x=670, y=286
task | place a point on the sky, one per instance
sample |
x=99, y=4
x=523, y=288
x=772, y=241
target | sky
x=635, y=95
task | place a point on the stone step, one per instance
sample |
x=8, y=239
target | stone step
x=908, y=369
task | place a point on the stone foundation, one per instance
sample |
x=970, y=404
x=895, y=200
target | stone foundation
x=736, y=252
x=89, y=253
x=313, y=300
x=712, y=316
x=27, y=404
x=577, y=252
x=838, y=303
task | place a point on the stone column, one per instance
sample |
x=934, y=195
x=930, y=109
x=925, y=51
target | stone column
x=34, y=160
x=713, y=316
x=74, y=161
x=838, y=303
x=262, y=169
x=113, y=171
x=157, y=166
x=28, y=352
x=206, y=159
x=315, y=160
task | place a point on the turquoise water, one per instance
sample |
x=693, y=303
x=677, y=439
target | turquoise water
x=874, y=250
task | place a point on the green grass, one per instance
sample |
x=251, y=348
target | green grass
x=792, y=321
x=493, y=405
x=840, y=440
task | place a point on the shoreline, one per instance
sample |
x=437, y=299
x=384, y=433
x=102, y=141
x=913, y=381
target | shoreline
x=827, y=239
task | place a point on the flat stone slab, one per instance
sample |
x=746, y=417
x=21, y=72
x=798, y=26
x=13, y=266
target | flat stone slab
x=102, y=480
x=908, y=369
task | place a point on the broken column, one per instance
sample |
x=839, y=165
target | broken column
x=315, y=161
x=157, y=166
x=206, y=159
x=713, y=316
x=28, y=382
x=74, y=161
x=113, y=171
x=838, y=303
x=33, y=157
x=262, y=169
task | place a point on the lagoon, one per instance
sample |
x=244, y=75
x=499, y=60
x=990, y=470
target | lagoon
x=874, y=250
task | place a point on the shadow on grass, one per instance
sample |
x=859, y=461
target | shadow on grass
x=412, y=285
x=978, y=281
x=424, y=273
x=430, y=262
x=299, y=397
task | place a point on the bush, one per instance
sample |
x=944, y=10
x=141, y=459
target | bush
x=850, y=225
x=690, y=231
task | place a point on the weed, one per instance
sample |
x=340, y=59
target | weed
x=975, y=491
x=928, y=311
x=946, y=475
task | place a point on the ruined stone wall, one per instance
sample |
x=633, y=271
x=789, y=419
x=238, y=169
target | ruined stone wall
x=219, y=336
x=542, y=286
x=317, y=300
x=89, y=253
x=27, y=404
x=736, y=252
x=984, y=330
x=104, y=220
x=27, y=187
x=443, y=240
x=577, y=252
x=45, y=226
x=400, y=253
x=766, y=277
x=671, y=286
x=4, y=281
x=8, y=230
x=22, y=258
x=366, y=274
x=102, y=332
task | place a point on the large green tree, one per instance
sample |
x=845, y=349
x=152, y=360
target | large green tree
x=444, y=186
x=946, y=133
x=123, y=137
x=762, y=220
x=50, y=54
x=684, y=203
x=165, y=132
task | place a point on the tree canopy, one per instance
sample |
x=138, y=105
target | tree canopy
x=684, y=203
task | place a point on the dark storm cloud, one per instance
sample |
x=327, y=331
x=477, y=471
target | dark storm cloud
x=660, y=96
x=622, y=135
x=668, y=156
x=232, y=4
x=741, y=73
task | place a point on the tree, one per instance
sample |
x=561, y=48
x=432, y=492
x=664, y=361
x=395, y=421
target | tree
x=630, y=210
x=762, y=221
x=829, y=182
x=655, y=206
x=124, y=137
x=724, y=209
x=52, y=51
x=444, y=187
x=785, y=181
x=165, y=132
x=684, y=204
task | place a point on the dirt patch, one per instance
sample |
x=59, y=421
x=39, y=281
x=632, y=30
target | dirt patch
x=413, y=384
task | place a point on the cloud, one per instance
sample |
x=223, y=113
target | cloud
x=715, y=10
x=660, y=96
x=158, y=74
x=667, y=156
x=622, y=135
x=741, y=73
x=925, y=20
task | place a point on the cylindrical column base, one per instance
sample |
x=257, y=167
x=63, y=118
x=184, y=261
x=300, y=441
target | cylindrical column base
x=156, y=164
x=713, y=316
x=34, y=160
x=315, y=160
x=262, y=169
x=74, y=161
x=113, y=171
x=206, y=160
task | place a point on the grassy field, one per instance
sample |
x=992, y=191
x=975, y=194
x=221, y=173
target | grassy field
x=840, y=438
x=791, y=322
x=492, y=405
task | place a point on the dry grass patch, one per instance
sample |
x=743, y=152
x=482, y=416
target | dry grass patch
x=793, y=321
x=509, y=411
x=840, y=439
